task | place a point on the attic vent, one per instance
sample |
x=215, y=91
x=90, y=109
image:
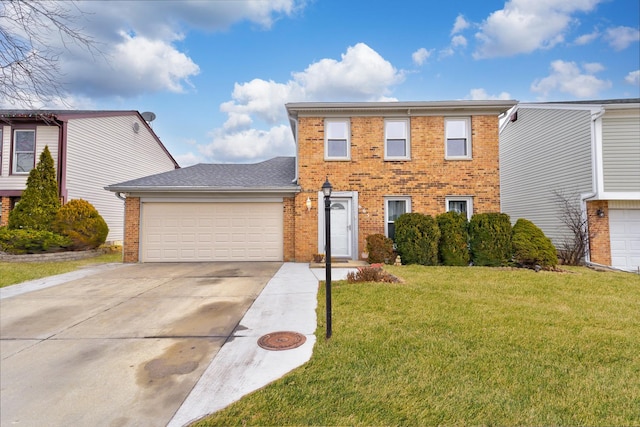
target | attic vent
x=136, y=127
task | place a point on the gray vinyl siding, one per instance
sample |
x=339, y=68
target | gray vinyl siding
x=545, y=151
x=621, y=153
x=104, y=151
x=45, y=136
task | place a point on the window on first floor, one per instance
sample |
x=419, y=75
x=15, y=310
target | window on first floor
x=458, y=138
x=336, y=139
x=24, y=150
x=460, y=205
x=396, y=139
x=394, y=207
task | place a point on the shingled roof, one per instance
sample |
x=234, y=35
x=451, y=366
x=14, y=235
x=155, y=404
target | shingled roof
x=277, y=174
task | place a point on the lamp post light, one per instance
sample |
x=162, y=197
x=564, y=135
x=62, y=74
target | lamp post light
x=326, y=190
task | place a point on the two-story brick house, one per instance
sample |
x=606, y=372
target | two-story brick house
x=382, y=159
x=90, y=149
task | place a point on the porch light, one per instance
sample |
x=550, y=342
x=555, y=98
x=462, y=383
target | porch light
x=600, y=213
x=326, y=190
x=308, y=203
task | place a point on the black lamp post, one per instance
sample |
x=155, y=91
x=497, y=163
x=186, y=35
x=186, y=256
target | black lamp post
x=326, y=190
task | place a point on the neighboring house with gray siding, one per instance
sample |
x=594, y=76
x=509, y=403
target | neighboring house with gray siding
x=90, y=149
x=588, y=153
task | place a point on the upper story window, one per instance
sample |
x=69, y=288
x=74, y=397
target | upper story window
x=461, y=205
x=393, y=208
x=24, y=150
x=336, y=139
x=396, y=139
x=458, y=138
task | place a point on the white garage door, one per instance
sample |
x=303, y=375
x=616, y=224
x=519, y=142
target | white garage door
x=211, y=232
x=624, y=228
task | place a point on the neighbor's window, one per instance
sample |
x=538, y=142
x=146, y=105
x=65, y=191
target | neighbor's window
x=24, y=150
x=336, y=142
x=394, y=207
x=396, y=139
x=461, y=205
x=458, y=138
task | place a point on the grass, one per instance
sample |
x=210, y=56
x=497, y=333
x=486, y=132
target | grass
x=466, y=346
x=17, y=272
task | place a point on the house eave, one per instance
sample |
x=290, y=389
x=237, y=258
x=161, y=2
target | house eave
x=204, y=189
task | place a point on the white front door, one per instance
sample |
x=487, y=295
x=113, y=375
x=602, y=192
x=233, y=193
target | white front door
x=341, y=228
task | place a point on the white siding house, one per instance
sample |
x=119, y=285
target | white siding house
x=91, y=149
x=586, y=152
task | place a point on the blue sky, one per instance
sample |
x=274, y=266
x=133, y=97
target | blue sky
x=218, y=73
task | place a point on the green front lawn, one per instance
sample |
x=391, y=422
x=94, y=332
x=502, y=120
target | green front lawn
x=17, y=272
x=466, y=346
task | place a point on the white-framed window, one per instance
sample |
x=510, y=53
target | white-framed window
x=397, y=145
x=394, y=206
x=24, y=150
x=461, y=204
x=457, y=138
x=337, y=141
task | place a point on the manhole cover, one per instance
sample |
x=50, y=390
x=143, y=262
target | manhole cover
x=283, y=340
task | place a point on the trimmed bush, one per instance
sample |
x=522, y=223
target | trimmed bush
x=26, y=241
x=453, y=248
x=370, y=274
x=82, y=223
x=39, y=203
x=417, y=237
x=380, y=249
x=490, y=239
x=531, y=247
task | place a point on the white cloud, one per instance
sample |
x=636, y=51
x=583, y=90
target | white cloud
x=460, y=25
x=620, y=38
x=586, y=38
x=457, y=41
x=524, y=26
x=249, y=145
x=566, y=77
x=188, y=159
x=633, y=78
x=480, y=94
x=421, y=55
x=360, y=75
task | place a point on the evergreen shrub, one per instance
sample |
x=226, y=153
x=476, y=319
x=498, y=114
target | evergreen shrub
x=490, y=239
x=453, y=248
x=80, y=221
x=380, y=249
x=39, y=202
x=531, y=247
x=417, y=237
x=28, y=241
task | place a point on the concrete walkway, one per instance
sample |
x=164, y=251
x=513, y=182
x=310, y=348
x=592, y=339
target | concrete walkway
x=287, y=303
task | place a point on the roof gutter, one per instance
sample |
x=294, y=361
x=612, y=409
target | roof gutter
x=118, y=190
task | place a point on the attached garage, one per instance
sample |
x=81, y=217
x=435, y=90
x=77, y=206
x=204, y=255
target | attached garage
x=624, y=229
x=211, y=231
x=211, y=212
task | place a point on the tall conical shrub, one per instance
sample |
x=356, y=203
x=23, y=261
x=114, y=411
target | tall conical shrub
x=453, y=248
x=40, y=201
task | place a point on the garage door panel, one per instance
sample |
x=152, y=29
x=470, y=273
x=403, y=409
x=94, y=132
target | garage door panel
x=624, y=229
x=211, y=232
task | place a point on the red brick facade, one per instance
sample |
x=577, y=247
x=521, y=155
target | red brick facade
x=427, y=177
x=6, y=208
x=599, y=238
x=131, y=229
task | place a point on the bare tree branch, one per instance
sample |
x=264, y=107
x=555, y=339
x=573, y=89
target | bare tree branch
x=29, y=55
x=573, y=248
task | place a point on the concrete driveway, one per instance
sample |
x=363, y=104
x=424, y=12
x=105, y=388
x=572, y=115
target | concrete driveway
x=123, y=347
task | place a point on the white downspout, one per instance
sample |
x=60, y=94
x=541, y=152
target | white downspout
x=595, y=165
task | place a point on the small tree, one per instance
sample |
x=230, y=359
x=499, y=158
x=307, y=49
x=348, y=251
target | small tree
x=490, y=239
x=453, y=247
x=417, y=237
x=531, y=247
x=573, y=247
x=39, y=202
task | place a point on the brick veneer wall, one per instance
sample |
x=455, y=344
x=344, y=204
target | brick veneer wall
x=289, y=229
x=599, y=237
x=131, y=229
x=428, y=178
x=6, y=208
